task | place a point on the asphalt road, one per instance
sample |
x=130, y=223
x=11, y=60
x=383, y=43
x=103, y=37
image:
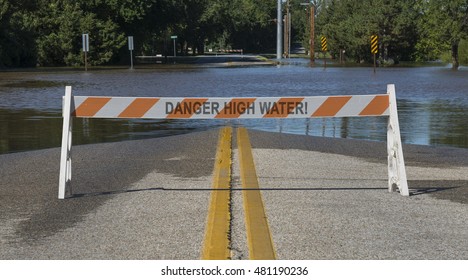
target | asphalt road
x=324, y=199
x=328, y=199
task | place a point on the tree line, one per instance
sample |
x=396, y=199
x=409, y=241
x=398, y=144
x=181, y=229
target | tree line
x=409, y=30
x=48, y=32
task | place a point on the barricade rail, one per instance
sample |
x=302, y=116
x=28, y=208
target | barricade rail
x=241, y=51
x=237, y=108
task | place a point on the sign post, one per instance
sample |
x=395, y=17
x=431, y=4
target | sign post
x=85, y=38
x=323, y=40
x=374, y=47
x=174, y=37
x=130, y=48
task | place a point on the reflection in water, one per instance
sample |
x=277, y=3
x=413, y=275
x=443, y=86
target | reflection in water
x=28, y=129
x=448, y=124
x=426, y=124
x=22, y=130
x=432, y=102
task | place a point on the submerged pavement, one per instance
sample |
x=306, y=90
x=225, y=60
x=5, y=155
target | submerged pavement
x=148, y=199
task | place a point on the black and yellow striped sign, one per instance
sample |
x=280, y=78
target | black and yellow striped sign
x=374, y=44
x=323, y=39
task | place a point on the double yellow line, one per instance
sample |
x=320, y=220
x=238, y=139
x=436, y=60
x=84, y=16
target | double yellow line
x=218, y=230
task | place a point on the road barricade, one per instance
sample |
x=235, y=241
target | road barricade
x=241, y=51
x=236, y=108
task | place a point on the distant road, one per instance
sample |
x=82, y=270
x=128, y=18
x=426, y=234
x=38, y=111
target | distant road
x=209, y=60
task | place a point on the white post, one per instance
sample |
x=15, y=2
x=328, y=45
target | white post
x=85, y=38
x=130, y=48
x=174, y=37
x=65, y=157
x=279, y=31
x=396, y=163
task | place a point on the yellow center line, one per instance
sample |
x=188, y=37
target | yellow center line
x=217, y=235
x=259, y=239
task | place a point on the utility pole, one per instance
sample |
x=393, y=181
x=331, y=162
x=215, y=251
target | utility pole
x=312, y=29
x=286, y=35
x=312, y=32
x=279, y=17
x=287, y=31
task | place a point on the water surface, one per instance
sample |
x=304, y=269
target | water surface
x=432, y=101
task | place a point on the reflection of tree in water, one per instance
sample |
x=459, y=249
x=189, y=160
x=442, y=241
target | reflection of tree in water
x=368, y=128
x=450, y=124
x=344, y=128
x=430, y=122
x=28, y=129
x=434, y=122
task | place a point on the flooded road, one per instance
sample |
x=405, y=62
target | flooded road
x=432, y=102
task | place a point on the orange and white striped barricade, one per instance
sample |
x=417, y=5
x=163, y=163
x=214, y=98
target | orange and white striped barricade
x=237, y=108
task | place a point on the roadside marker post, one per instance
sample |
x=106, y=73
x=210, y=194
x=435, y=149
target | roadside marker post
x=236, y=108
x=85, y=38
x=130, y=48
x=323, y=40
x=374, y=47
x=174, y=38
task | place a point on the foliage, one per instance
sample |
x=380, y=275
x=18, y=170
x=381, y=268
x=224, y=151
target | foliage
x=445, y=24
x=446, y=56
x=17, y=46
x=349, y=25
x=48, y=32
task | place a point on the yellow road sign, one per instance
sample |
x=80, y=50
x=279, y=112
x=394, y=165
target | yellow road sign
x=374, y=44
x=323, y=39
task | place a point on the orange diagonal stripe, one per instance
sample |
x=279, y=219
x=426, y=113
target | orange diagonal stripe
x=331, y=106
x=376, y=107
x=186, y=108
x=283, y=108
x=138, y=107
x=235, y=108
x=91, y=106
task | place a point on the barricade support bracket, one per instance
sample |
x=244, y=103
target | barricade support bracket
x=396, y=164
x=66, y=152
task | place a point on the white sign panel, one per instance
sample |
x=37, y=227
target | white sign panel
x=85, y=42
x=130, y=43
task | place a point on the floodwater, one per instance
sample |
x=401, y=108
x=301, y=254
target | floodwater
x=432, y=102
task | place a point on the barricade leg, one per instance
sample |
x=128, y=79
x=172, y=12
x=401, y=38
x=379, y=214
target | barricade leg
x=65, y=157
x=396, y=164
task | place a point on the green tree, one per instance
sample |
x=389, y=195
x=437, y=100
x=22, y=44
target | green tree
x=346, y=26
x=444, y=25
x=17, y=46
x=57, y=33
x=59, y=28
x=349, y=24
x=253, y=27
